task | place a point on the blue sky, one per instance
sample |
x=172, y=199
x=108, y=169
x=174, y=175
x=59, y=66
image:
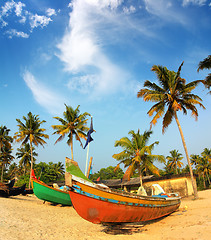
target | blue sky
x=97, y=54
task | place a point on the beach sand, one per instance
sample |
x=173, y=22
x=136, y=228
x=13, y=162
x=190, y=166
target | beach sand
x=26, y=217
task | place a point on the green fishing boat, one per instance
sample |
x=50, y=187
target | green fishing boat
x=50, y=194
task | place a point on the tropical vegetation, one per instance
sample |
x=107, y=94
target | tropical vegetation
x=137, y=154
x=174, y=161
x=206, y=64
x=73, y=124
x=171, y=96
x=30, y=131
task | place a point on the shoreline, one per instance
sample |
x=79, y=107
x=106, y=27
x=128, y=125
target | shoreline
x=26, y=217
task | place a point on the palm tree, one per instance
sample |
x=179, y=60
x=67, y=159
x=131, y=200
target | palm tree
x=136, y=155
x=175, y=95
x=206, y=64
x=207, y=154
x=174, y=160
x=5, y=139
x=5, y=158
x=73, y=124
x=203, y=166
x=24, y=153
x=5, y=148
x=30, y=131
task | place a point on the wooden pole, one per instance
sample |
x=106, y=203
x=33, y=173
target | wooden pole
x=89, y=168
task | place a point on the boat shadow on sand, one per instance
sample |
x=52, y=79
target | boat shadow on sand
x=128, y=228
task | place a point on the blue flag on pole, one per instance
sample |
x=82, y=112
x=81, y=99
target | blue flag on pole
x=89, y=138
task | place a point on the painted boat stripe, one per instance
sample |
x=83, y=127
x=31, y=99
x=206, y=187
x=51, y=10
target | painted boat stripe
x=78, y=190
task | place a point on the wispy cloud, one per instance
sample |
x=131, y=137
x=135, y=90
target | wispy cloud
x=13, y=32
x=166, y=10
x=48, y=99
x=18, y=9
x=82, y=47
x=194, y=2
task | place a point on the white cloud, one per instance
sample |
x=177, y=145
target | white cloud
x=195, y=2
x=43, y=95
x=129, y=10
x=14, y=33
x=7, y=8
x=166, y=10
x=18, y=9
x=39, y=21
x=81, y=48
x=50, y=12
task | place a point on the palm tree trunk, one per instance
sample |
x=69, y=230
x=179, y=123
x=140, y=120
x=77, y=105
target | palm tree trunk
x=204, y=181
x=31, y=164
x=2, y=172
x=140, y=177
x=188, y=159
x=72, y=148
x=208, y=178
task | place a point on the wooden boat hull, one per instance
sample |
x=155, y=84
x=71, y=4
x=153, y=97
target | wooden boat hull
x=50, y=194
x=102, y=210
x=13, y=191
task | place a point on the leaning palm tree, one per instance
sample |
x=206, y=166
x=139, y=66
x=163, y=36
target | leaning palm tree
x=137, y=155
x=24, y=154
x=171, y=96
x=174, y=160
x=73, y=124
x=30, y=131
x=206, y=64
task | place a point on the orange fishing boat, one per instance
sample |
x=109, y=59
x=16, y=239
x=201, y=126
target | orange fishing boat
x=100, y=204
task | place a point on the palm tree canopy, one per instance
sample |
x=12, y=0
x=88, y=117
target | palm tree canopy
x=206, y=64
x=137, y=155
x=30, y=130
x=73, y=124
x=174, y=160
x=172, y=95
x=5, y=139
x=24, y=154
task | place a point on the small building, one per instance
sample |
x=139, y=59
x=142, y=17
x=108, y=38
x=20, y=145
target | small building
x=180, y=184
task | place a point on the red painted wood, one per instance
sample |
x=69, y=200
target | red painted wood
x=98, y=211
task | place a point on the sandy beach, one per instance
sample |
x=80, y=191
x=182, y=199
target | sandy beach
x=26, y=217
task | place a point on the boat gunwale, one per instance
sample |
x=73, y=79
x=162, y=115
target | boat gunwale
x=126, y=203
x=124, y=194
x=45, y=185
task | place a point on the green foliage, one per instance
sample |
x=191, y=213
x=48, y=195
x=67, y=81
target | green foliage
x=50, y=172
x=108, y=173
x=72, y=125
x=137, y=155
x=24, y=179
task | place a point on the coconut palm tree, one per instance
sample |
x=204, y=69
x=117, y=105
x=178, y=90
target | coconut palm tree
x=207, y=154
x=5, y=148
x=203, y=167
x=171, y=96
x=137, y=155
x=5, y=139
x=5, y=158
x=174, y=160
x=30, y=131
x=206, y=64
x=24, y=154
x=73, y=124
